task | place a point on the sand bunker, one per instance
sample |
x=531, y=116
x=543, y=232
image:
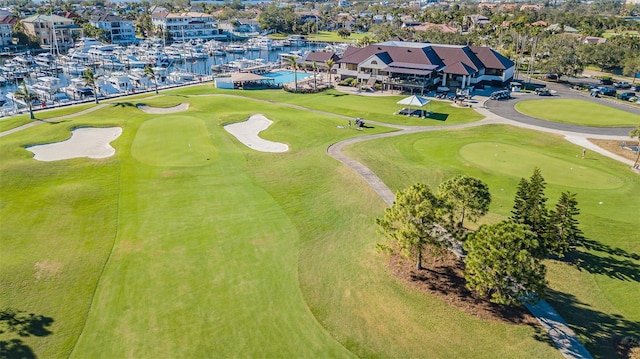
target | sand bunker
x=88, y=142
x=162, y=110
x=247, y=133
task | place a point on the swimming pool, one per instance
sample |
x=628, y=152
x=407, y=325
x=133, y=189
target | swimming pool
x=283, y=77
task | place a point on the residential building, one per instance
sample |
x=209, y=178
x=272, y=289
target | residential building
x=188, y=26
x=52, y=31
x=413, y=66
x=7, y=23
x=120, y=30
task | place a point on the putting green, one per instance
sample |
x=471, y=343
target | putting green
x=517, y=161
x=180, y=141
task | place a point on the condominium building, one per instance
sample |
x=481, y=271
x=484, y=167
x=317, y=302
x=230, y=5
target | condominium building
x=6, y=30
x=120, y=31
x=52, y=31
x=187, y=26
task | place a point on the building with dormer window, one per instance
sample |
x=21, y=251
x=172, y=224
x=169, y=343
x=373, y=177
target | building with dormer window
x=414, y=66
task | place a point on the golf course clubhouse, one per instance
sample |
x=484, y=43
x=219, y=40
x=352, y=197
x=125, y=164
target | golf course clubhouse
x=419, y=67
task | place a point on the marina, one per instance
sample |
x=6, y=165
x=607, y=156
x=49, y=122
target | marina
x=56, y=80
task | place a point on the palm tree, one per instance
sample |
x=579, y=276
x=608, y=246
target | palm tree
x=635, y=133
x=25, y=95
x=293, y=62
x=329, y=64
x=148, y=72
x=314, y=66
x=91, y=80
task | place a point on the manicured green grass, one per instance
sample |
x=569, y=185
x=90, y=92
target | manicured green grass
x=332, y=36
x=366, y=107
x=598, y=298
x=578, y=112
x=499, y=157
x=247, y=254
x=19, y=120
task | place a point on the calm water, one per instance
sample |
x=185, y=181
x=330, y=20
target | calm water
x=203, y=67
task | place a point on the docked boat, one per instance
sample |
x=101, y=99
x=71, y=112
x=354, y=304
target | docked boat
x=295, y=40
x=235, y=49
x=46, y=60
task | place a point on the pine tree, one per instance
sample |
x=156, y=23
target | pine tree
x=409, y=223
x=536, y=203
x=530, y=208
x=467, y=197
x=501, y=263
x=564, y=233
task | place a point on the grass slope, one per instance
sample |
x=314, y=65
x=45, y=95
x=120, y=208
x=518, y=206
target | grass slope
x=577, y=112
x=367, y=107
x=597, y=297
x=247, y=254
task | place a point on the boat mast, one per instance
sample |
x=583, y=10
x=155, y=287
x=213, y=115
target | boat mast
x=54, y=46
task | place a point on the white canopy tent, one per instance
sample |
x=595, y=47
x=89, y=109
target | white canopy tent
x=414, y=101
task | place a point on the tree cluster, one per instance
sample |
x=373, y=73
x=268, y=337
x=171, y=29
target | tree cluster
x=556, y=230
x=503, y=261
x=416, y=218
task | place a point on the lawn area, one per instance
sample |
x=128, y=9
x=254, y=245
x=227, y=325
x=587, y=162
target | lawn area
x=8, y=123
x=577, y=112
x=598, y=297
x=332, y=36
x=367, y=107
x=218, y=249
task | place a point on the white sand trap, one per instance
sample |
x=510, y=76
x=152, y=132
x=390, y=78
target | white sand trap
x=162, y=110
x=247, y=133
x=91, y=142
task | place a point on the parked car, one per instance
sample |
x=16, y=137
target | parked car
x=607, y=91
x=606, y=82
x=636, y=88
x=627, y=96
x=622, y=85
x=501, y=95
x=553, y=77
x=543, y=92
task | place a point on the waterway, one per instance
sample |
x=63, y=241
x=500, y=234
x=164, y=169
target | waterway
x=198, y=67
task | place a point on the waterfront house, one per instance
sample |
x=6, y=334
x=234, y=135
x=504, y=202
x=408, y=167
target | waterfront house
x=414, y=66
x=52, y=31
x=120, y=30
x=187, y=26
x=7, y=23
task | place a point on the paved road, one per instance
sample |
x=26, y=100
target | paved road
x=505, y=108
